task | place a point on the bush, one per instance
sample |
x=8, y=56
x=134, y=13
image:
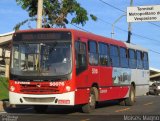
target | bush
x=4, y=95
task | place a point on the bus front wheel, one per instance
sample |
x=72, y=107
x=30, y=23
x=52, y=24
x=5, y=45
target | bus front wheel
x=87, y=108
x=40, y=108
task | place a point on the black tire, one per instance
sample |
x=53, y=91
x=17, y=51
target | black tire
x=155, y=92
x=147, y=93
x=122, y=102
x=131, y=99
x=90, y=106
x=40, y=108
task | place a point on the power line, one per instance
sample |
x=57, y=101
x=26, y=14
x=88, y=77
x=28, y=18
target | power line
x=80, y=28
x=154, y=51
x=120, y=29
x=111, y=6
x=106, y=3
x=125, y=30
x=154, y=24
x=145, y=37
x=111, y=24
x=138, y=35
x=134, y=34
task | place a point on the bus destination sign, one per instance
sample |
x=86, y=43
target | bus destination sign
x=41, y=36
x=36, y=36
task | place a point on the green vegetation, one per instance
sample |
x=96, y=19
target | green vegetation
x=3, y=88
x=56, y=13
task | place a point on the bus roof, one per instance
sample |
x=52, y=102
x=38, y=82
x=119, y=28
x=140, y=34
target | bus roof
x=135, y=47
x=78, y=33
x=87, y=35
x=91, y=36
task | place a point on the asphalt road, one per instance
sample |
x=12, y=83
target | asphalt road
x=146, y=108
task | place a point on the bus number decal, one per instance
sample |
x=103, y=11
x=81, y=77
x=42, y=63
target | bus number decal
x=103, y=91
x=56, y=84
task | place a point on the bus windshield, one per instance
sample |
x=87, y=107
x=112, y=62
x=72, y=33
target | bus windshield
x=41, y=59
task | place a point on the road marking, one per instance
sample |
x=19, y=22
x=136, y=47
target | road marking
x=2, y=112
x=125, y=109
x=150, y=103
x=85, y=119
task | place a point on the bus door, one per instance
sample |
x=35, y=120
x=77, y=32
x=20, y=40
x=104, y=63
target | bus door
x=81, y=72
x=104, y=62
x=93, y=74
x=105, y=75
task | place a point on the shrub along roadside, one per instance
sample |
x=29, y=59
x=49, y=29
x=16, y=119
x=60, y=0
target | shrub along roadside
x=4, y=88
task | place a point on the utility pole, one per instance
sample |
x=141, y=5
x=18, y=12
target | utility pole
x=39, y=13
x=39, y=25
x=129, y=26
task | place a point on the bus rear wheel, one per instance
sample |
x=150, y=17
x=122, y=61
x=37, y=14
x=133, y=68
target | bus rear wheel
x=90, y=106
x=40, y=108
x=131, y=99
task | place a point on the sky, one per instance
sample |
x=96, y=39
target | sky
x=145, y=34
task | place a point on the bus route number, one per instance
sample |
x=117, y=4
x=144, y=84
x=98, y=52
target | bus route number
x=56, y=84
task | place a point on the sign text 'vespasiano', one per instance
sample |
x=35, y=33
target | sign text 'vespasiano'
x=143, y=13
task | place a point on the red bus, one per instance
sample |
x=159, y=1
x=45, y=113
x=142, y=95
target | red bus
x=71, y=67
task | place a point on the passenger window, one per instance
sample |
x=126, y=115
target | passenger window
x=132, y=59
x=114, y=56
x=81, y=59
x=103, y=54
x=123, y=57
x=93, y=55
x=139, y=60
x=145, y=61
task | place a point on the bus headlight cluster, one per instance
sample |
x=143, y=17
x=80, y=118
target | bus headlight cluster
x=12, y=88
x=68, y=88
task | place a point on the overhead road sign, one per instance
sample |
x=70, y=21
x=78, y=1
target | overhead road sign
x=143, y=13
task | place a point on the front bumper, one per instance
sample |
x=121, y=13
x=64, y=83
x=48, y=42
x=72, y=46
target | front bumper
x=48, y=99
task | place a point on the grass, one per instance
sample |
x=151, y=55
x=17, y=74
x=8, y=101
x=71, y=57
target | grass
x=4, y=88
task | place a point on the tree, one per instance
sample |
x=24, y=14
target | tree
x=56, y=13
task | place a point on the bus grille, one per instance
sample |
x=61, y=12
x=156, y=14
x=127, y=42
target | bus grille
x=39, y=100
x=38, y=89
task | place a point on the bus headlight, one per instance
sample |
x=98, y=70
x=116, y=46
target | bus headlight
x=158, y=87
x=68, y=88
x=12, y=88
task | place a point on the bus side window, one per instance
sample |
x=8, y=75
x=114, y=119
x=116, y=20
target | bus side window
x=114, y=56
x=93, y=52
x=123, y=57
x=145, y=61
x=132, y=59
x=139, y=60
x=81, y=59
x=103, y=54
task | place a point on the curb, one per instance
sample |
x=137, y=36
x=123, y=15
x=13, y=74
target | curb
x=1, y=106
x=4, y=105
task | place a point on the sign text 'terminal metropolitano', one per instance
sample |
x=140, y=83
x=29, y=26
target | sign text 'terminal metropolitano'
x=143, y=13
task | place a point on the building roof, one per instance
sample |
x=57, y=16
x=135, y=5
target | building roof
x=154, y=69
x=154, y=74
x=6, y=34
x=5, y=39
